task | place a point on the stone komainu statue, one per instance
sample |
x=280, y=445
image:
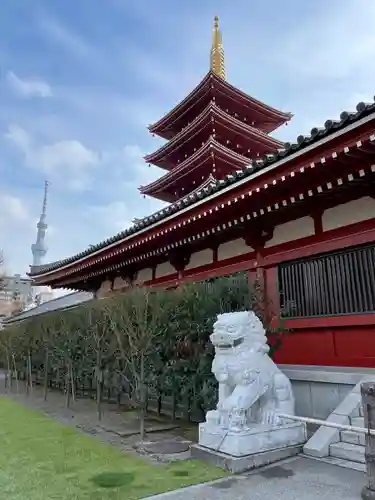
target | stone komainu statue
x=252, y=389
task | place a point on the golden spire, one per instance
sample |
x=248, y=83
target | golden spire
x=217, y=65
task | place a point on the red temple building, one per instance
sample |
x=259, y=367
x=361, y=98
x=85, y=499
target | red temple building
x=299, y=217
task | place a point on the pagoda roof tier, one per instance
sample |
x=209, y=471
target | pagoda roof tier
x=213, y=118
x=213, y=87
x=212, y=156
x=333, y=130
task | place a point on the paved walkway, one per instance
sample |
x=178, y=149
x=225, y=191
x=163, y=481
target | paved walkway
x=294, y=479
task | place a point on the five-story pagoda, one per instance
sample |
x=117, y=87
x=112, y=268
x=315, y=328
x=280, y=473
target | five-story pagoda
x=215, y=131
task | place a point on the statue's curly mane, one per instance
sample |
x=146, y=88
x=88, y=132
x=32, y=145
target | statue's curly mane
x=243, y=325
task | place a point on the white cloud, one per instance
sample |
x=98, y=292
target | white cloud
x=133, y=152
x=125, y=170
x=62, y=35
x=69, y=154
x=114, y=217
x=19, y=137
x=27, y=88
x=66, y=160
x=328, y=54
x=15, y=227
x=132, y=155
x=337, y=41
x=13, y=210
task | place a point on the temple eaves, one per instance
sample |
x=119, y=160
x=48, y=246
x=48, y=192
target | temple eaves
x=217, y=64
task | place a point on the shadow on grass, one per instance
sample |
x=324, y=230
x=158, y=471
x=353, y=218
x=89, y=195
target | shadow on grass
x=180, y=473
x=113, y=479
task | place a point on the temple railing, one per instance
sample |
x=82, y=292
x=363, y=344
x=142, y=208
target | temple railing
x=326, y=423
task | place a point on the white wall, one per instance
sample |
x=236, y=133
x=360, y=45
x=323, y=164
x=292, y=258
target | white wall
x=349, y=213
x=233, y=249
x=119, y=283
x=144, y=275
x=292, y=230
x=164, y=269
x=201, y=258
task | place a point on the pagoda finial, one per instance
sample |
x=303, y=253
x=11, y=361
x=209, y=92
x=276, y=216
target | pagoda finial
x=217, y=65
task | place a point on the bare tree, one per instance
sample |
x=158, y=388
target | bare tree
x=140, y=319
x=97, y=315
x=2, y=273
x=17, y=306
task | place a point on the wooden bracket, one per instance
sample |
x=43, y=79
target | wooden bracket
x=179, y=260
x=257, y=237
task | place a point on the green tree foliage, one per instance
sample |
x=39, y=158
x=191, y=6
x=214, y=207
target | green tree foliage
x=143, y=341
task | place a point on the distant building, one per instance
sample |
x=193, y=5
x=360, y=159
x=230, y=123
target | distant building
x=39, y=248
x=15, y=294
x=16, y=288
x=42, y=294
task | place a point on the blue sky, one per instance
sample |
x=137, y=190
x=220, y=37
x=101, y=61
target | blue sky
x=80, y=82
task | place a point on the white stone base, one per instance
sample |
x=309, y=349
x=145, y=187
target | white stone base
x=258, y=439
x=236, y=465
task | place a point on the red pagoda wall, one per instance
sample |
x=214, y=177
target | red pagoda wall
x=347, y=340
x=327, y=341
x=347, y=345
x=333, y=340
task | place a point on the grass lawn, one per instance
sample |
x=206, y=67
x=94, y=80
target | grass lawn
x=40, y=459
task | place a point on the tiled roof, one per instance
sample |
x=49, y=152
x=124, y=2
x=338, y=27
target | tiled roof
x=63, y=302
x=330, y=126
x=211, y=112
x=227, y=87
x=189, y=164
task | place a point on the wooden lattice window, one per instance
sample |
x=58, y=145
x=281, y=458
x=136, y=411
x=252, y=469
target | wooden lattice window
x=331, y=284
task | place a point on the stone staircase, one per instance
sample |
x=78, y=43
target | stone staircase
x=349, y=451
x=343, y=448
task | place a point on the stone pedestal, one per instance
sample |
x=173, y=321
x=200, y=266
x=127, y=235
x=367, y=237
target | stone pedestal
x=368, y=401
x=257, y=439
x=367, y=494
x=236, y=465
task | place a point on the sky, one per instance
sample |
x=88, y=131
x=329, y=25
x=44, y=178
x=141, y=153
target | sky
x=81, y=81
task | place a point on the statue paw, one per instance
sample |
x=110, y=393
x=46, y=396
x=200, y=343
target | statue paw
x=237, y=421
x=271, y=418
x=277, y=420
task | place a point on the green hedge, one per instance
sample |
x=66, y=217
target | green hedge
x=151, y=340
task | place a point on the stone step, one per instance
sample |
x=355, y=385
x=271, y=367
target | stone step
x=358, y=412
x=352, y=437
x=339, y=462
x=357, y=421
x=348, y=451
